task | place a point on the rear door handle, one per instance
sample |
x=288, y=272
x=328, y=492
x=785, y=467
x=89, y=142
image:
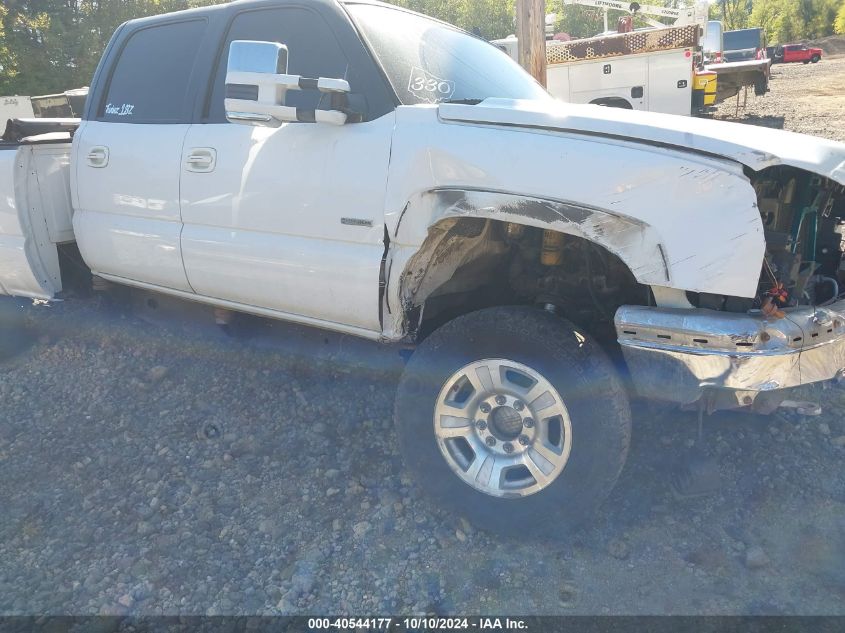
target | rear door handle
x=201, y=159
x=98, y=156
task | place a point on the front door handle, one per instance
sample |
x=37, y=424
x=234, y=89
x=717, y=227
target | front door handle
x=201, y=159
x=98, y=156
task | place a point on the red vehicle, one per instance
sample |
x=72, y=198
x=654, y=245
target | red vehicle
x=800, y=53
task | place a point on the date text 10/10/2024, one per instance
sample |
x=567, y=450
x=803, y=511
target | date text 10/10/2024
x=417, y=624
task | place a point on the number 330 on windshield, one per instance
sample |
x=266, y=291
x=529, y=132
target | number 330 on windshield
x=428, y=87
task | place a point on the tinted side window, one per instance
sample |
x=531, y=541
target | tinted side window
x=149, y=83
x=313, y=51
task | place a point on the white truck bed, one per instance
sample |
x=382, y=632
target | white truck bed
x=734, y=76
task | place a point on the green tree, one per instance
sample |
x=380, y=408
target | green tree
x=491, y=19
x=734, y=14
x=779, y=19
x=820, y=18
x=580, y=21
x=814, y=18
x=839, y=24
x=53, y=45
x=7, y=63
x=766, y=15
x=789, y=20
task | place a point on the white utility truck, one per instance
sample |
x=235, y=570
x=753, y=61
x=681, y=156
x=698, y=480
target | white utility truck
x=652, y=69
x=365, y=169
x=676, y=69
x=718, y=79
x=14, y=107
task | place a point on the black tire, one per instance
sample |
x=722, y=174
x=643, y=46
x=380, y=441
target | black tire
x=815, y=59
x=575, y=365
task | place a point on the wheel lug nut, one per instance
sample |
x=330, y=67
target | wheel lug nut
x=518, y=405
x=485, y=408
x=508, y=447
x=528, y=423
x=491, y=441
x=481, y=425
x=500, y=400
x=523, y=439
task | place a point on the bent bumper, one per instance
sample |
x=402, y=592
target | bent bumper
x=675, y=355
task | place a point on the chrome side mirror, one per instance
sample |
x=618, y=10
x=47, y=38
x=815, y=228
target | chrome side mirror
x=257, y=83
x=258, y=57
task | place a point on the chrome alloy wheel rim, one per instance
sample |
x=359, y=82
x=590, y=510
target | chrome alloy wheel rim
x=502, y=428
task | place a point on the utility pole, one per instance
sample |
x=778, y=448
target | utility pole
x=531, y=33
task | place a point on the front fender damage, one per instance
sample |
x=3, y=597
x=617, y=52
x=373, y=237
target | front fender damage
x=458, y=234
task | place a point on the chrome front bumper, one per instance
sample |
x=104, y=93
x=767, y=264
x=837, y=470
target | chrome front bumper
x=676, y=355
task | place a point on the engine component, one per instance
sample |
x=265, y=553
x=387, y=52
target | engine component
x=552, y=251
x=514, y=231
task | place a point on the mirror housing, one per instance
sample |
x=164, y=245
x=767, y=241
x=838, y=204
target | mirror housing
x=257, y=83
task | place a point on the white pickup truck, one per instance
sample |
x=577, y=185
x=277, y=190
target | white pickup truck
x=361, y=168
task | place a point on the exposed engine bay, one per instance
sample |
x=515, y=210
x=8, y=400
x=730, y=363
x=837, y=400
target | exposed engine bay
x=804, y=220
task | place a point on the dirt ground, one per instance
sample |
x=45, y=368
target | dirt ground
x=150, y=464
x=806, y=98
x=830, y=45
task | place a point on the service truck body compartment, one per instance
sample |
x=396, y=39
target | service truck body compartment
x=35, y=214
x=656, y=81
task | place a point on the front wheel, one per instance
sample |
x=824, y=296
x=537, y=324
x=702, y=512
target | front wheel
x=514, y=418
x=815, y=59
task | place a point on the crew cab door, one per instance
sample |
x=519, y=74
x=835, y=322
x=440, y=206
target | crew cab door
x=127, y=158
x=791, y=53
x=288, y=219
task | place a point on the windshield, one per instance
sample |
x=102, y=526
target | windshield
x=427, y=61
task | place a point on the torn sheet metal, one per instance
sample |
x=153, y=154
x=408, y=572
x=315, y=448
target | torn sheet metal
x=634, y=242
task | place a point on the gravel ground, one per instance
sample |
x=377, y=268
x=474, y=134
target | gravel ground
x=807, y=98
x=150, y=464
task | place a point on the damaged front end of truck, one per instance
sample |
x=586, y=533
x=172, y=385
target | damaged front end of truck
x=729, y=352
x=706, y=256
